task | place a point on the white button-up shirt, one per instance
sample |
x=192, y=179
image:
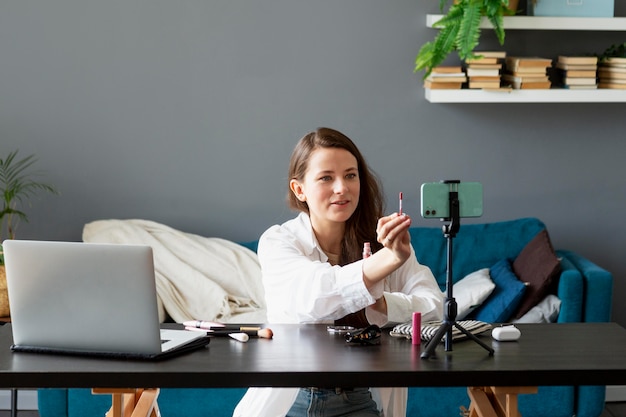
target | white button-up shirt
x=302, y=287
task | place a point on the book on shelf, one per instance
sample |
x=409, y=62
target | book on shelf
x=612, y=86
x=515, y=63
x=579, y=81
x=488, y=72
x=491, y=54
x=611, y=70
x=483, y=70
x=443, y=85
x=578, y=73
x=519, y=83
x=578, y=60
x=563, y=66
x=611, y=75
x=484, y=84
x=445, y=78
x=540, y=85
x=448, y=78
x=581, y=87
x=484, y=78
x=447, y=69
x=613, y=80
x=471, y=61
x=529, y=70
x=486, y=57
x=485, y=66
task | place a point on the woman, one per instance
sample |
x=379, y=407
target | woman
x=314, y=272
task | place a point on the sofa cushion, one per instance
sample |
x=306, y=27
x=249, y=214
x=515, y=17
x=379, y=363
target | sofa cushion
x=537, y=266
x=546, y=311
x=471, y=291
x=506, y=296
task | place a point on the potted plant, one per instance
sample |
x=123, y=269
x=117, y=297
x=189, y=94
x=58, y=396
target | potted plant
x=17, y=187
x=459, y=30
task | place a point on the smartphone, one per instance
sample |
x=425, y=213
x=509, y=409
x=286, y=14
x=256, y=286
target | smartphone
x=436, y=195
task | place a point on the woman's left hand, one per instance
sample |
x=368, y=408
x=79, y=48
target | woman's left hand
x=393, y=233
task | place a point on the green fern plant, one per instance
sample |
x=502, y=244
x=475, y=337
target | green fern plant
x=17, y=186
x=459, y=30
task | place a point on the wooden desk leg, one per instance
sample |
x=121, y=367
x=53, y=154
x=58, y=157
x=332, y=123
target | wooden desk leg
x=131, y=402
x=496, y=401
x=147, y=406
x=480, y=405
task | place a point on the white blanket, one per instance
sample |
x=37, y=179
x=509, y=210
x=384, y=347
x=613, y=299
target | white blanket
x=197, y=278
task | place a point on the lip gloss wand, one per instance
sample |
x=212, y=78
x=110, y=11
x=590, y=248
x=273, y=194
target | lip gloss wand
x=400, y=204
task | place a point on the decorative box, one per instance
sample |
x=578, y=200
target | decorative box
x=571, y=8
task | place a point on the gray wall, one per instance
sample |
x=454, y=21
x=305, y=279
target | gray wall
x=185, y=112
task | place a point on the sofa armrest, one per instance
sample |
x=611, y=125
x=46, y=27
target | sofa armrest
x=598, y=285
x=570, y=291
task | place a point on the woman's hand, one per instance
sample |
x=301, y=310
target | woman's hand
x=393, y=233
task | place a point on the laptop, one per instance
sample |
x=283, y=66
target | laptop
x=88, y=299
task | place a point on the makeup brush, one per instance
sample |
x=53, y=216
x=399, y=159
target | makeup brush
x=241, y=337
x=265, y=333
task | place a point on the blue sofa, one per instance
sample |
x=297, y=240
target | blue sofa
x=585, y=291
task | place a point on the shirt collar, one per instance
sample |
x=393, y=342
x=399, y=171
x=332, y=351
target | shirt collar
x=307, y=236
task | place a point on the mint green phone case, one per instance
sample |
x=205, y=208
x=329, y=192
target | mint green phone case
x=435, y=199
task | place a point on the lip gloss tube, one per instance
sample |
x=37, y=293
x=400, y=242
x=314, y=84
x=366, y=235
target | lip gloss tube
x=417, y=328
x=367, y=250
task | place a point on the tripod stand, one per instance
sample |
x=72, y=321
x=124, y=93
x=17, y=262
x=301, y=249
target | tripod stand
x=450, y=307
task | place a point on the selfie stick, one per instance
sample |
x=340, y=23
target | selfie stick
x=450, y=307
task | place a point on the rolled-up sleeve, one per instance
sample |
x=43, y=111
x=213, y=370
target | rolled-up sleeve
x=410, y=288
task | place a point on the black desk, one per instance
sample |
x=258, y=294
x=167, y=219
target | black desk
x=307, y=355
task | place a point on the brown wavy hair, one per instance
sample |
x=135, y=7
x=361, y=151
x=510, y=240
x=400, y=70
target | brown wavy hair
x=361, y=226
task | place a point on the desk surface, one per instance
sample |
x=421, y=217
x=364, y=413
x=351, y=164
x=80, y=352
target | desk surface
x=307, y=355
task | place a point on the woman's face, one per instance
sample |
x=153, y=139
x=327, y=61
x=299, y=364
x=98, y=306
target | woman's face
x=331, y=186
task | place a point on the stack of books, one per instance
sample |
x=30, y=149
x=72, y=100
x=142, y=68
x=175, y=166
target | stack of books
x=445, y=78
x=612, y=73
x=484, y=70
x=576, y=72
x=527, y=72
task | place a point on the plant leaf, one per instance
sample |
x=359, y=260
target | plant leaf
x=495, y=10
x=469, y=31
x=17, y=186
x=434, y=53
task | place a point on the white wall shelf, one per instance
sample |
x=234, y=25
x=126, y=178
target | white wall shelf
x=536, y=96
x=554, y=95
x=550, y=23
